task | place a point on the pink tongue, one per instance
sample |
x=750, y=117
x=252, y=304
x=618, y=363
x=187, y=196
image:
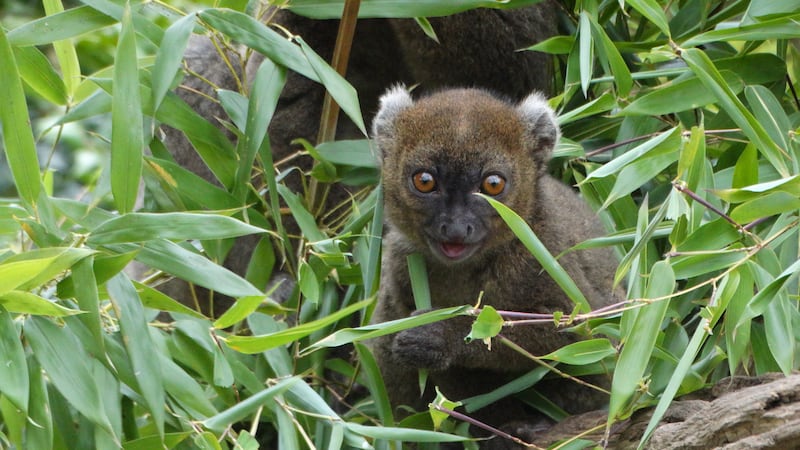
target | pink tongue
x=453, y=250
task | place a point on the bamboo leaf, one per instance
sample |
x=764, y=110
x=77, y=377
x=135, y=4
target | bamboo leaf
x=137, y=340
x=13, y=368
x=60, y=26
x=65, y=52
x=610, y=54
x=36, y=71
x=67, y=365
x=487, y=325
x=779, y=28
x=769, y=112
x=681, y=95
x=28, y=303
x=768, y=205
x=403, y=434
x=39, y=411
x=18, y=142
x=583, y=352
x=257, y=344
x=653, y=12
x=248, y=406
x=169, y=57
x=127, y=125
x=418, y=273
x=141, y=227
x=349, y=335
x=190, y=266
x=529, y=239
x=664, y=142
x=35, y=267
x=638, y=345
x=702, y=66
x=342, y=92
x=267, y=86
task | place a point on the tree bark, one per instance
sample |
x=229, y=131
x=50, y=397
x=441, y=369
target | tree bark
x=737, y=413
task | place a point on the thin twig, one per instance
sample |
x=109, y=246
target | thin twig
x=484, y=426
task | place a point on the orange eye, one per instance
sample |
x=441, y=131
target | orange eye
x=493, y=185
x=424, y=182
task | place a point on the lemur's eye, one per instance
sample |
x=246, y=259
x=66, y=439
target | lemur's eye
x=424, y=182
x=493, y=185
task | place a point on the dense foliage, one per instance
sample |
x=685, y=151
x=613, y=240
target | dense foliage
x=679, y=122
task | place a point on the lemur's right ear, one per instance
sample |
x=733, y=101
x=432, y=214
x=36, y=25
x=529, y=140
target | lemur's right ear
x=392, y=103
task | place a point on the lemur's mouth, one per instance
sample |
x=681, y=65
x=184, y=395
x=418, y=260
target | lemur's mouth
x=453, y=250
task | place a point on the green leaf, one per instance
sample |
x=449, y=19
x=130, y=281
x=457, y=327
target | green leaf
x=349, y=335
x=56, y=27
x=612, y=58
x=169, y=57
x=13, y=368
x=301, y=215
x=127, y=133
x=529, y=239
x=342, y=92
x=727, y=289
x=190, y=266
x=702, y=66
x=681, y=95
x=88, y=298
x=418, y=273
x=65, y=52
x=780, y=28
x=267, y=86
x=768, y=205
x=582, y=353
x=790, y=185
x=487, y=325
x=140, y=227
x=39, y=410
x=256, y=35
x=38, y=73
x=28, y=303
x=248, y=406
x=34, y=268
x=67, y=365
x=665, y=142
x=652, y=10
x=638, y=345
x=154, y=299
x=642, y=170
x=586, y=51
x=189, y=186
x=18, y=142
x=352, y=152
x=769, y=113
x=402, y=434
x=310, y=286
x=375, y=384
x=136, y=337
x=257, y=344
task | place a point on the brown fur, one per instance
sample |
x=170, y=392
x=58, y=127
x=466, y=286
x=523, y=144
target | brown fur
x=460, y=135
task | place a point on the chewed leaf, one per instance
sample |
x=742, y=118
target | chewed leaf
x=487, y=325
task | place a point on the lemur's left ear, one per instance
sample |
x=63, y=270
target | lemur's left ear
x=540, y=124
